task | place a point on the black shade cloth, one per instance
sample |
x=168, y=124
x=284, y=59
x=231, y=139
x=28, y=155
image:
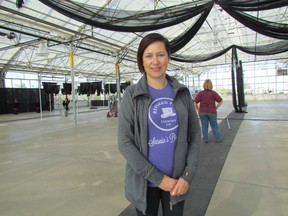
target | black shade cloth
x=269, y=49
x=91, y=88
x=268, y=28
x=141, y=21
x=96, y=87
x=180, y=41
x=50, y=87
x=128, y=21
x=252, y=5
x=67, y=88
x=57, y=89
x=110, y=88
x=85, y=88
x=123, y=86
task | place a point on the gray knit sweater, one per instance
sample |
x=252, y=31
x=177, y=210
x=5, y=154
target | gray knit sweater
x=132, y=141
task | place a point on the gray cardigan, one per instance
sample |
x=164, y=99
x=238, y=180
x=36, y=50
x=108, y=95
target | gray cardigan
x=132, y=140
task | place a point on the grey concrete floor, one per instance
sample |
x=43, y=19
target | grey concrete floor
x=254, y=179
x=49, y=166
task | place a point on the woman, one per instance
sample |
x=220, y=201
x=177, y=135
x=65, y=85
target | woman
x=204, y=103
x=158, y=134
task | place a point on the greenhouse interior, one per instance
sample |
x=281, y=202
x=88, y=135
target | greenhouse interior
x=65, y=67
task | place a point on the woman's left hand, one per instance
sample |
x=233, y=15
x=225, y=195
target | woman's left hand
x=180, y=188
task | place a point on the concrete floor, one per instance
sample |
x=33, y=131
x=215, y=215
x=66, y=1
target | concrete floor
x=49, y=166
x=254, y=179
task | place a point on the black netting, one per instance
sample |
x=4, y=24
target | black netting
x=268, y=28
x=85, y=88
x=199, y=58
x=96, y=86
x=180, y=41
x=251, y=5
x=269, y=49
x=123, y=86
x=141, y=21
x=90, y=88
x=110, y=88
x=128, y=21
x=67, y=88
x=57, y=89
x=49, y=87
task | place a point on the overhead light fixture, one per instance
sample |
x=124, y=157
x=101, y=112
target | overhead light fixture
x=43, y=49
x=231, y=31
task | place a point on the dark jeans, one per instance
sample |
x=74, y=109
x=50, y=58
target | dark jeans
x=154, y=196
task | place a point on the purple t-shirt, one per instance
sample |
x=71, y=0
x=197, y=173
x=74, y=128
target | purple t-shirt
x=162, y=129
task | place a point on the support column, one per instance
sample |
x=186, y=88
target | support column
x=118, y=79
x=2, y=81
x=73, y=83
x=40, y=95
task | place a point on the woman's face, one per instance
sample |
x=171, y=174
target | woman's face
x=155, y=60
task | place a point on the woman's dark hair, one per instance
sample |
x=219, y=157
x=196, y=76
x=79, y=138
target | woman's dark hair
x=145, y=42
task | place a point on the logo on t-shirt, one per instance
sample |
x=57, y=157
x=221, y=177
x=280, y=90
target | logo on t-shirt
x=167, y=112
x=162, y=114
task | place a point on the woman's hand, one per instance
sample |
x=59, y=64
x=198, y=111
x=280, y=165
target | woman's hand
x=180, y=188
x=168, y=184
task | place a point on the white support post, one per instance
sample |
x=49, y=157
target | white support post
x=117, y=79
x=40, y=96
x=73, y=83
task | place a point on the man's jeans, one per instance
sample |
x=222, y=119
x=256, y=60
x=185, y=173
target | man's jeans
x=211, y=118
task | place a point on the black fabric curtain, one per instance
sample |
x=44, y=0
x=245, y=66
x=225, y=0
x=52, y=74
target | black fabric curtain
x=240, y=86
x=141, y=21
x=251, y=5
x=269, y=49
x=96, y=87
x=233, y=72
x=123, y=86
x=128, y=21
x=110, y=88
x=85, y=88
x=180, y=41
x=238, y=97
x=50, y=87
x=57, y=89
x=91, y=88
x=198, y=58
x=67, y=88
x=270, y=29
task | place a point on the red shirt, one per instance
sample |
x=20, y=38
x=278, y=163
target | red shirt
x=207, y=99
